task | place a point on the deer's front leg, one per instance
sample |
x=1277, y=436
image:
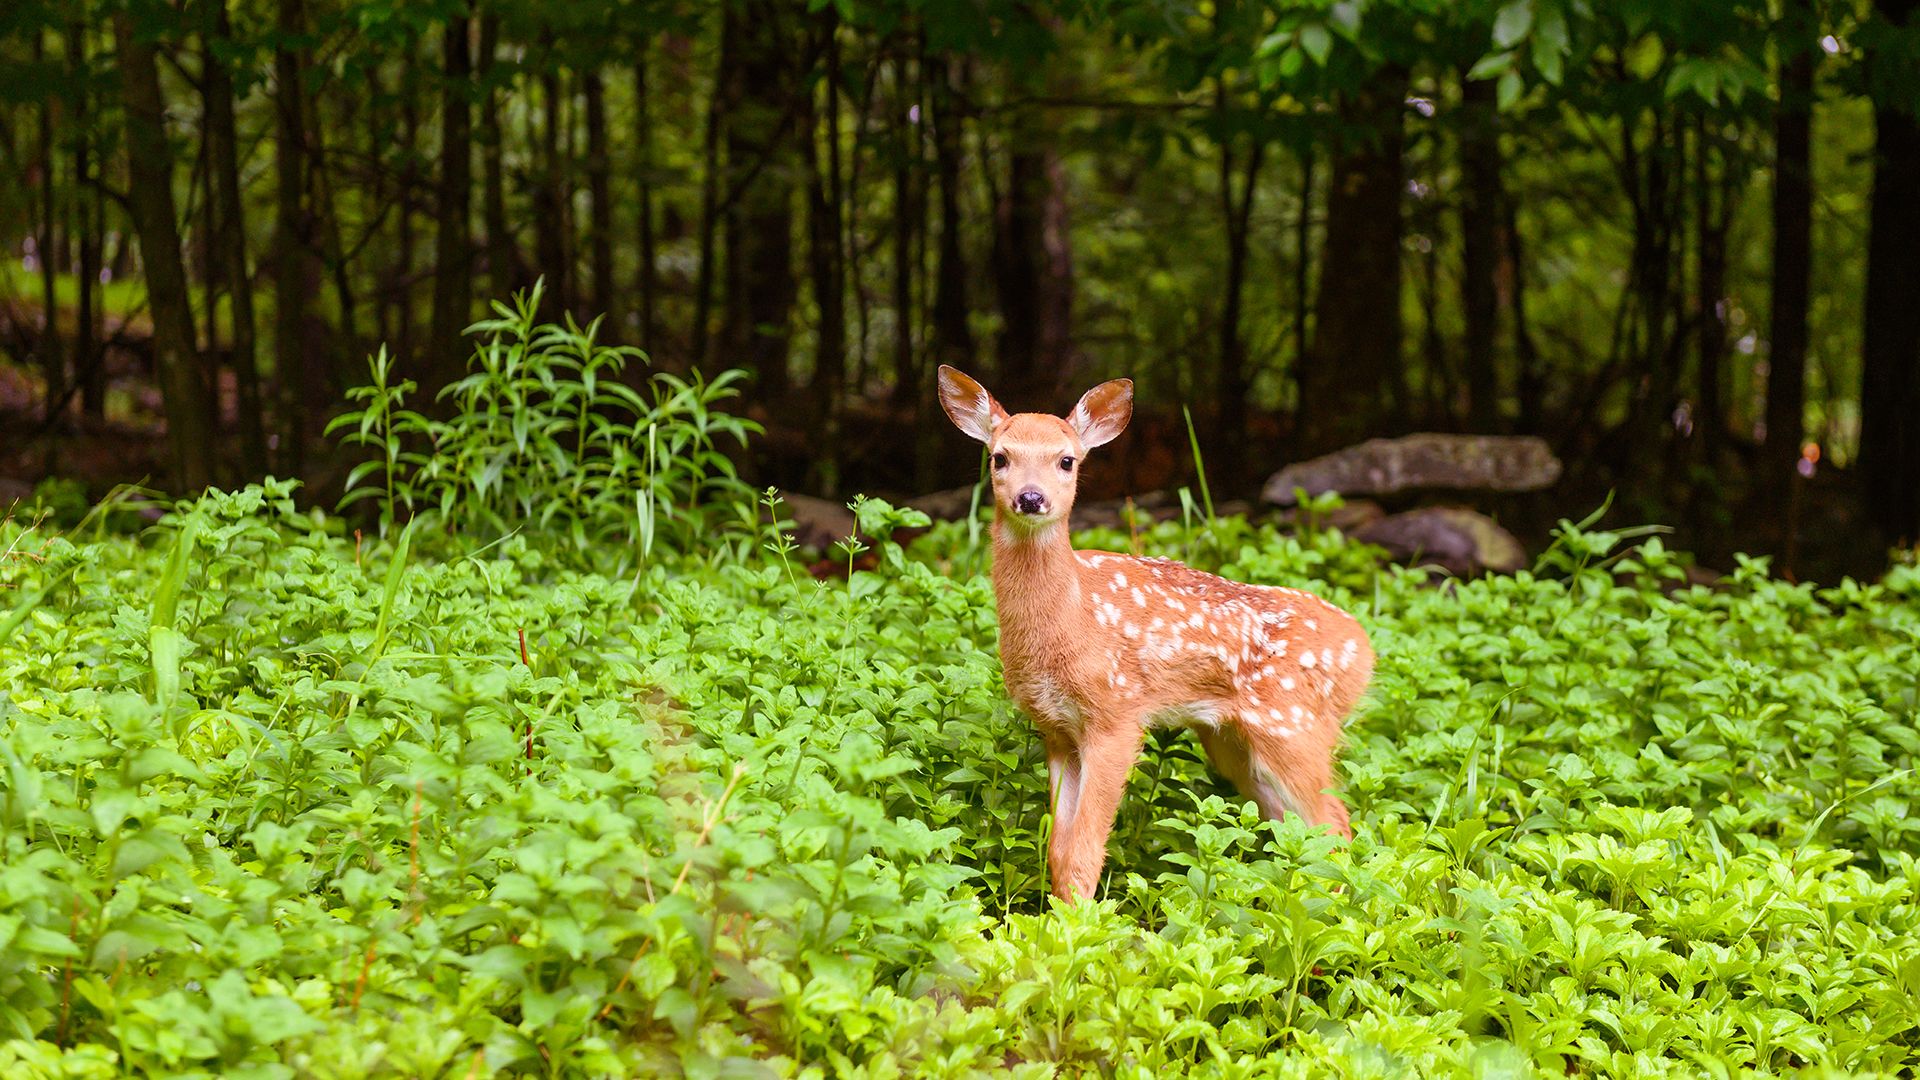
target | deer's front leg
x=1093, y=782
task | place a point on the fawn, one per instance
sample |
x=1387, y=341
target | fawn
x=1097, y=646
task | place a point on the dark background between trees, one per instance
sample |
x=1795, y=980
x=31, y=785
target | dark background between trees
x=1680, y=240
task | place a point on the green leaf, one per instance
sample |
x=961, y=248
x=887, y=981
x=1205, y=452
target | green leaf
x=1512, y=23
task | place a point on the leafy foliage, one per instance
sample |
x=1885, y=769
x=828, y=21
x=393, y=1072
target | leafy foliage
x=543, y=431
x=277, y=804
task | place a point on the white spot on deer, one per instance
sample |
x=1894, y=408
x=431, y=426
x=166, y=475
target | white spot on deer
x=1139, y=600
x=1311, y=625
x=1347, y=652
x=1195, y=619
x=1299, y=714
x=1132, y=630
x=1326, y=658
x=1119, y=580
x=1286, y=682
x=1307, y=659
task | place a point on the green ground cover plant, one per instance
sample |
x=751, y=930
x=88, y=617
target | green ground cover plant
x=280, y=801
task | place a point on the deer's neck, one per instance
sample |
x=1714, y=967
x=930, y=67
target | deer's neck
x=1036, y=586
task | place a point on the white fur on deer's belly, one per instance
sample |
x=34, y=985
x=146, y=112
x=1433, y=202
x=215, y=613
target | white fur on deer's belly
x=1207, y=714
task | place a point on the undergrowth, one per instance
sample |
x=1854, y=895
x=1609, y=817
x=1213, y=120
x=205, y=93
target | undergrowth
x=274, y=802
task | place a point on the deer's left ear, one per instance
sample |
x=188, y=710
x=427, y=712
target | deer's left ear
x=1103, y=412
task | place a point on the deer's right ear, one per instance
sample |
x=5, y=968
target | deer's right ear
x=968, y=404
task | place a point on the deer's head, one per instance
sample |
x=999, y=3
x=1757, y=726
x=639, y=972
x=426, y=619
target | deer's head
x=1035, y=457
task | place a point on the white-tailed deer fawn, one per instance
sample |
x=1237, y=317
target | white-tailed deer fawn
x=1097, y=647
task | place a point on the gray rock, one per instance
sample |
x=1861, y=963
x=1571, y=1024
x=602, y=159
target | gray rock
x=1421, y=462
x=1462, y=542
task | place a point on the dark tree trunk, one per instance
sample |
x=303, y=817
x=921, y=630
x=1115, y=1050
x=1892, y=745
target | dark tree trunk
x=719, y=107
x=646, y=280
x=1480, y=201
x=549, y=210
x=52, y=356
x=505, y=274
x=341, y=361
x=453, y=242
x=1890, y=352
x=400, y=279
x=88, y=366
x=294, y=276
x=1530, y=381
x=230, y=239
x=762, y=176
x=1792, y=254
x=1714, y=199
x=1231, y=383
x=952, y=336
x=183, y=386
x=1302, y=260
x=1355, y=366
x=906, y=222
x=600, y=201
x=825, y=258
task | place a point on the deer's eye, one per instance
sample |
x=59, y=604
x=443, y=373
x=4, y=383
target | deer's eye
x=999, y=461
x=1066, y=464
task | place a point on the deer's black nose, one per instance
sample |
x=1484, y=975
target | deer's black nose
x=1030, y=501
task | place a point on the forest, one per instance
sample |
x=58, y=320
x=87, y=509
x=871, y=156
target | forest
x=495, y=579
x=1677, y=239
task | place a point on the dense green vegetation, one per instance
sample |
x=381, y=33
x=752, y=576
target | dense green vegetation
x=279, y=797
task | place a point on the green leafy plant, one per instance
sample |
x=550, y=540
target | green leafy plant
x=542, y=433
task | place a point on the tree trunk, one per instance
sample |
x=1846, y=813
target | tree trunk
x=52, y=357
x=1890, y=352
x=1231, y=383
x=719, y=107
x=646, y=280
x=453, y=242
x=505, y=275
x=1713, y=219
x=906, y=218
x=183, y=387
x=294, y=277
x=1792, y=254
x=1353, y=372
x=600, y=202
x=1479, y=231
x=824, y=256
x=761, y=171
x=87, y=363
x=400, y=276
x=952, y=335
x=549, y=212
x=230, y=239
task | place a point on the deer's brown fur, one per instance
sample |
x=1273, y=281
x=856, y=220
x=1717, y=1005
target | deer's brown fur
x=1097, y=647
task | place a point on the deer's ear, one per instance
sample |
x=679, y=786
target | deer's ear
x=968, y=404
x=1103, y=412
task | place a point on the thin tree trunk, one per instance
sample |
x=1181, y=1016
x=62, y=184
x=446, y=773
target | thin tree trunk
x=905, y=217
x=1229, y=436
x=1890, y=350
x=550, y=243
x=600, y=201
x=719, y=106
x=1792, y=254
x=952, y=335
x=52, y=357
x=761, y=168
x=150, y=197
x=230, y=241
x=1479, y=229
x=453, y=241
x=400, y=277
x=647, y=279
x=1713, y=218
x=504, y=272
x=1530, y=377
x=293, y=276
x=1303, y=260
x=824, y=255
x=88, y=366
x=1355, y=366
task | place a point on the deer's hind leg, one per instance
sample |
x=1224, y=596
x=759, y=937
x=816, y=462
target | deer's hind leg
x=1281, y=776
